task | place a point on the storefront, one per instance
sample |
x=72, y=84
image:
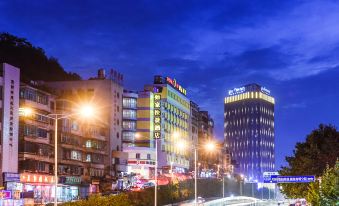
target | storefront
x=42, y=186
x=71, y=188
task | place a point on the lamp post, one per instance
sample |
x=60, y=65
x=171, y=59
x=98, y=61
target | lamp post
x=241, y=183
x=210, y=146
x=85, y=111
x=172, y=172
x=156, y=173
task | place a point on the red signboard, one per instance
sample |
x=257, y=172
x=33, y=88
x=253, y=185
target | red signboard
x=36, y=178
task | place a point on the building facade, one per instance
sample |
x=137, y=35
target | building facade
x=249, y=130
x=105, y=93
x=9, y=119
x=164, y=115
x=129, y=118
x=141, y=161
x=36, y=145
x=194, y=128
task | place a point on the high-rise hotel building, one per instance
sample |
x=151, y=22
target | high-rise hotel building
x=164, y=114
x=249, y=130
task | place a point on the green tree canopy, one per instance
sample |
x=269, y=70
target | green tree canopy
x=32, y=61
x=321, y=149
x=326, y=191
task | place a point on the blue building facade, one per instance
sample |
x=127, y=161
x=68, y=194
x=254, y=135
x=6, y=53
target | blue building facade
x=249, y=130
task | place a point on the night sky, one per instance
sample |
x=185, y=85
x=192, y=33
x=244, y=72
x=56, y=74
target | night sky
x=290, y=47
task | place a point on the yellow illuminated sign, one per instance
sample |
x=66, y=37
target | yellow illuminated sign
x=157, y=116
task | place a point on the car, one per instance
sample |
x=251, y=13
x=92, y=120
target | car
x=147, y=185
x=200, y=200
x=111, y=193
x=134, y=188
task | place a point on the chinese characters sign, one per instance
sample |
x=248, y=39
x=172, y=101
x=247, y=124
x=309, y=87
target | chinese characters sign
x=175, y=85
x=289, y=179
x=36, y=178
x=157, y=116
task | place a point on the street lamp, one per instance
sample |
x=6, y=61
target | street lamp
x=241, y=183
x=139, y=136
x=84, y=111
x=210, y=146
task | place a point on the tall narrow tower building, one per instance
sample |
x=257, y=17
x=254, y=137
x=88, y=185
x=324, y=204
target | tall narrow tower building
x=249, y=130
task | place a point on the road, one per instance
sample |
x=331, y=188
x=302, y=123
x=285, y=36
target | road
x=236, y=201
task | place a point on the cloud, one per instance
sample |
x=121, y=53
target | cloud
x=295, y=105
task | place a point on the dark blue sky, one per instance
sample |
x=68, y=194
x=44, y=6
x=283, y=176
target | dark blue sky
x=290, y=47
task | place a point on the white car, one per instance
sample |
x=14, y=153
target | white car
x=201, y=200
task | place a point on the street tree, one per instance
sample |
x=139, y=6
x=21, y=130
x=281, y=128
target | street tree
x=311, y=158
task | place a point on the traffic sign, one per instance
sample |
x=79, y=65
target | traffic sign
x=289, y=179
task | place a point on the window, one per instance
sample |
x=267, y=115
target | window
x=34, y=96
x=118, y=135
x=148, y=156
x=88, y=158
x=129, y=114
x=40, y=166
x=88, y=144
x=137, y=155
x=75, y=155
x=75, y=126
x=42, y=133
x=129, y=102
x=129, y=125
x=128, y=136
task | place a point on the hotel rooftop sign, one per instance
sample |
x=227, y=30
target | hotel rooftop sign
x=175, y=85
x=241, y=90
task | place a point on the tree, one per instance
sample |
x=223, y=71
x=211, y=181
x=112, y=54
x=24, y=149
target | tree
x=32, y=61
x=326, y=190
x=311, y=158
x=329, y=186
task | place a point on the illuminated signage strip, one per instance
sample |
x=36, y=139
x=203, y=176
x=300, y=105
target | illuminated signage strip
x=241, y=90
x=249, y=95
x=36, y=178
x=266, y=91
x=157, y=116
x=175, y=85
x=236, y=91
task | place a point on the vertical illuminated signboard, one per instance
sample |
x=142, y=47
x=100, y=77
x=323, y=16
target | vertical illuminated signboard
x=157, y=116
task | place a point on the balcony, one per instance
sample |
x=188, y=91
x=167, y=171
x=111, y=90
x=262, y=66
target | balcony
x=38, y=140
x=37, y=157
x=35, y=105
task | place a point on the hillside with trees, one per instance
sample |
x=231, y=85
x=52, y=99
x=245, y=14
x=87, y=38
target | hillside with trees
x=32, y=61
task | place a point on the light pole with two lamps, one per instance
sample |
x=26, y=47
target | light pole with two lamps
x=209, y=146
x=85, y=111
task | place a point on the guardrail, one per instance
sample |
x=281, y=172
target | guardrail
x=236, y=201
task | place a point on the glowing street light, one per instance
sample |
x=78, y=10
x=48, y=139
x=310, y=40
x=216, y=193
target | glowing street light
x=25, y=112
x=181, y=145
x=137, y=135
x=176, y=135
x=84, y=111
x=210, y=146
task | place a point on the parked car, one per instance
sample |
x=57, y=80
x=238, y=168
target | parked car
x=134, y=188
x=111, y=193
x=147, y=185
x=200, y=200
